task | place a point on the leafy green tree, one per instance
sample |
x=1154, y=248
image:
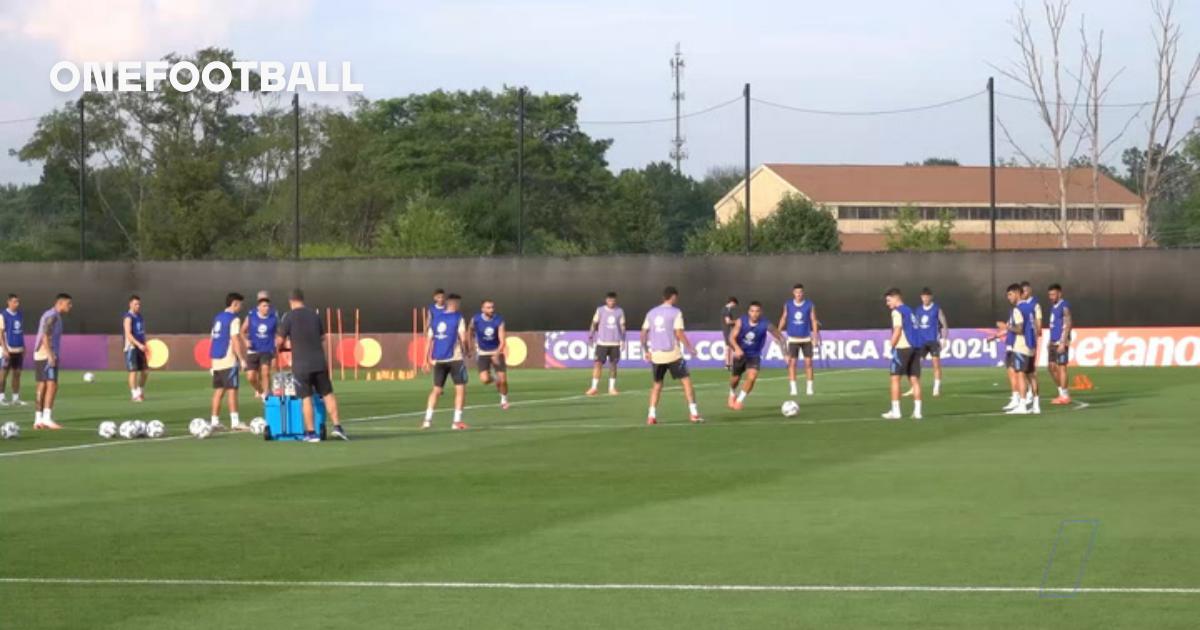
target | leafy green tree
x=797, y=225
x=906, y=233
x=425, y=227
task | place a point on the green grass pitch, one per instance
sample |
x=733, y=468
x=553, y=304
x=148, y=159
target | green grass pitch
x=416, y=529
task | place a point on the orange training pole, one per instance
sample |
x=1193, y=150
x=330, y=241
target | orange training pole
x=356, y=342
x=341, y=359
x=329, y=340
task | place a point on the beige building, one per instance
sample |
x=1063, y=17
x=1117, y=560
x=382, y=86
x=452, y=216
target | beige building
x=864, y=199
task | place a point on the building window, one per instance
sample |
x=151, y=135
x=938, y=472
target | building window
x=980, y=213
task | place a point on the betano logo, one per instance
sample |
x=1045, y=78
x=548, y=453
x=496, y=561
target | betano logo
x=185, y=76
x=1136, y=347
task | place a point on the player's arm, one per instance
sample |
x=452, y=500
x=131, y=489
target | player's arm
x=244, y=331
x=503, y=334
x=4, y=337
x=236, y=342
x=774, y=332
x=47, y=347
x=1067, y=325
x=594, y=327
x=783, y=321
x=463, y=340
x=897, y=328
x=1018, y=322
x=129, y=338
x=428, y=347
x=646, y=339
x=944, y=333
x=470, y=336
x=682, y=336
x=816, y=326
x=733, y=337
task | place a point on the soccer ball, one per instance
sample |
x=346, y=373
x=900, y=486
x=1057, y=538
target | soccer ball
x=204, y=432
x=107, y=429
x=9, y=430
x=155, y=429
x=197, y=425
x=789, y=408
x=258, y=426
x=139, y=428
x=128, y=430
x=88, y=377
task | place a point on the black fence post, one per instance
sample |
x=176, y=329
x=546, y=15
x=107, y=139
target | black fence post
x=746, y=93
x=521, y=171
x=82, y=182
x=296, y=167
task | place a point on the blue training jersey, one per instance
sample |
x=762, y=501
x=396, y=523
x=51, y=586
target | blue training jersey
x=443, y=328
x=261, y=331
x=929, y=322
x=1029, y=313
x=1057, y=311
x=799, y=319
x=752, y=338
x=137, y=327
x=909, y=325
x=222, y=324
x=487, y=331
x=14, y=334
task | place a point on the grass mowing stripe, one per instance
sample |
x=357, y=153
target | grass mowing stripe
x=568, y=586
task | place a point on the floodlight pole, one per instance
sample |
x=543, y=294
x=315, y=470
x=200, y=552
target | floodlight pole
x=296, y=166
x=82, y=183
x=991, y=90
x=520, y=171
x=746, y=93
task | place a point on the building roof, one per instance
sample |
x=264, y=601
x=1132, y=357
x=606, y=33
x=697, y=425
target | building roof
x=833, y=184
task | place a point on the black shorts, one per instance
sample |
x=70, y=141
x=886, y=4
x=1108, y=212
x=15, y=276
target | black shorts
x=905, y=362
x=309, y=383
x=1008, y=359
x=1059, y=357
x=794, y=349
x=13, y=361
x=608, y=354
x=932, y=349
x=456, y=370
x=46, y=373
x=256, y=360
x=743, y=363
x=678, y=370
x=135, y=360
x=225, y=379
x=492, y=362
x=1023, y=363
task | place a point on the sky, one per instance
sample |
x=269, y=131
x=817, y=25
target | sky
x=856, y=55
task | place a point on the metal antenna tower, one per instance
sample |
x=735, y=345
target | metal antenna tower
x=677, y=152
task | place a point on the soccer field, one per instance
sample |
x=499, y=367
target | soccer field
x=568, y=512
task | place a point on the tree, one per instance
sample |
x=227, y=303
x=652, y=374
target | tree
x=934, y=161
x=907, y=234
x=795, y=226
x=425, y=227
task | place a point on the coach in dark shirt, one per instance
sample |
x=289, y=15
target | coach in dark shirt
x=728, y=317
x=303, y=329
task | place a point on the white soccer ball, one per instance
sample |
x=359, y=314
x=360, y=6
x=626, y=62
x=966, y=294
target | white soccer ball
x=128, y=430
x=789, y=408
x=155, y=429
x=204, y=432
x=196, y=425
x=139, y=428
x=9, y=430
x=107, y=429
x=88, y=377
x=258, y=426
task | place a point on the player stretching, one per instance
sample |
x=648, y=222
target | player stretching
x=608, y=333
x=1060, y=342
x=46, y=361
x=227, y=361
x=747, y=340
x=799, y=323
x=931, y=322
x=435, y=308
x=1034, y=315
x=1020, y=328
x=258, y=335
x=906, y=360
x=135, y=349
x=729, y=317
x=662, y=338
x=491, y=338
x=12, y=343
x=448, y=350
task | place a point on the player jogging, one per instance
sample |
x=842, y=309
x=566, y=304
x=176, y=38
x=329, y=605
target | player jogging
x=448, y=349
x=607, y=332
x=488, y=330
x=304, y=331
x=747, y=340
x=228, y=360
x=906, y=359
x=931, y=323
x=1023, y=337
x=258, y=335
x=662, y=340
x=729, y=317
x=435, y=308
x=47, y=360
x=12, y=346
x=799, y=323
x=1060, y=342
x=134, y=327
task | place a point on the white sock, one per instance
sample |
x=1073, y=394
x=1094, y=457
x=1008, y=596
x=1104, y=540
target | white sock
x=733, y=392
x=1062, y=391
x=133, y=392
x=457, y=416
x=1015, y=397
x=693, y=409
x=503, y=398
x=429, y=414
x=3, y=396
x=917, y=407
x=792, y=385
x=741, y=396
x=652, y=413
x=937, y=384
x=16, y=397
x=234, y=420
x=809, y=388
x=37, y=417
x=595, y=383
x=216, y=421
x=896, y=407
x=47, y=415
x=612, y=384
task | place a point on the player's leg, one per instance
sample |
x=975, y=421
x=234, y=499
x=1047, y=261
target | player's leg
x=131, y=370
x=255, y=379
x=597, y=365
x=460, y=397
x=895, y=369
x=793, y=353
x=143, y=376
x=500, y=366
x=39, y=396
x=937, y=373
x=16, y=366
x=485, y=369
x=915, y=383
x=735, y=379
x=658, y=372
x=306, y=409
x=679, y=371
x=747, y=386
x=613, y=359
x=4, y=370
x=264, y=378
x=807, y=348
x=322, y=384
x=439, y=383
x=1035, y=403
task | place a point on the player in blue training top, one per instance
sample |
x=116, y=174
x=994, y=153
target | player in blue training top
x=931, y=323
x=12, y=342
x=906, y=360
x=134, y=327
x=228, y=359
x=747, y=343
x=800, y=325
x=488, y=331
x=258, y=335
x=1034, y=314
x=1060, y=342
x=435, y=308
x=448, y=351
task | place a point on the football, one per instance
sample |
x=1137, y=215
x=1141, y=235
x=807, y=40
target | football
x=155, y=429
x=9, y=431
x=139, y=428
x=127, y=430
x=196, y=425
x=789, y=408
x=88, y=377
x=258, y=426
x=204, y=431
x=107, y=430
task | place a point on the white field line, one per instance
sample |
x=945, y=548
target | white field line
x=568, y=586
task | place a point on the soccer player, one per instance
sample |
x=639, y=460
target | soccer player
x=258, y=335
x=607, y=332
x=1030, y=302
x=1023, y=344
x=435, y=308
x=135, y=349
x=488, y=330
x=46, y=361
x=906, y=360
x=662, y=338
x=799, y=322
x=12, y=345
x=227, y=361
x=931, y=322
x=729, y=317
x=448, y=349
x=747, y=340
x=1060, y=342
x=304, y=331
